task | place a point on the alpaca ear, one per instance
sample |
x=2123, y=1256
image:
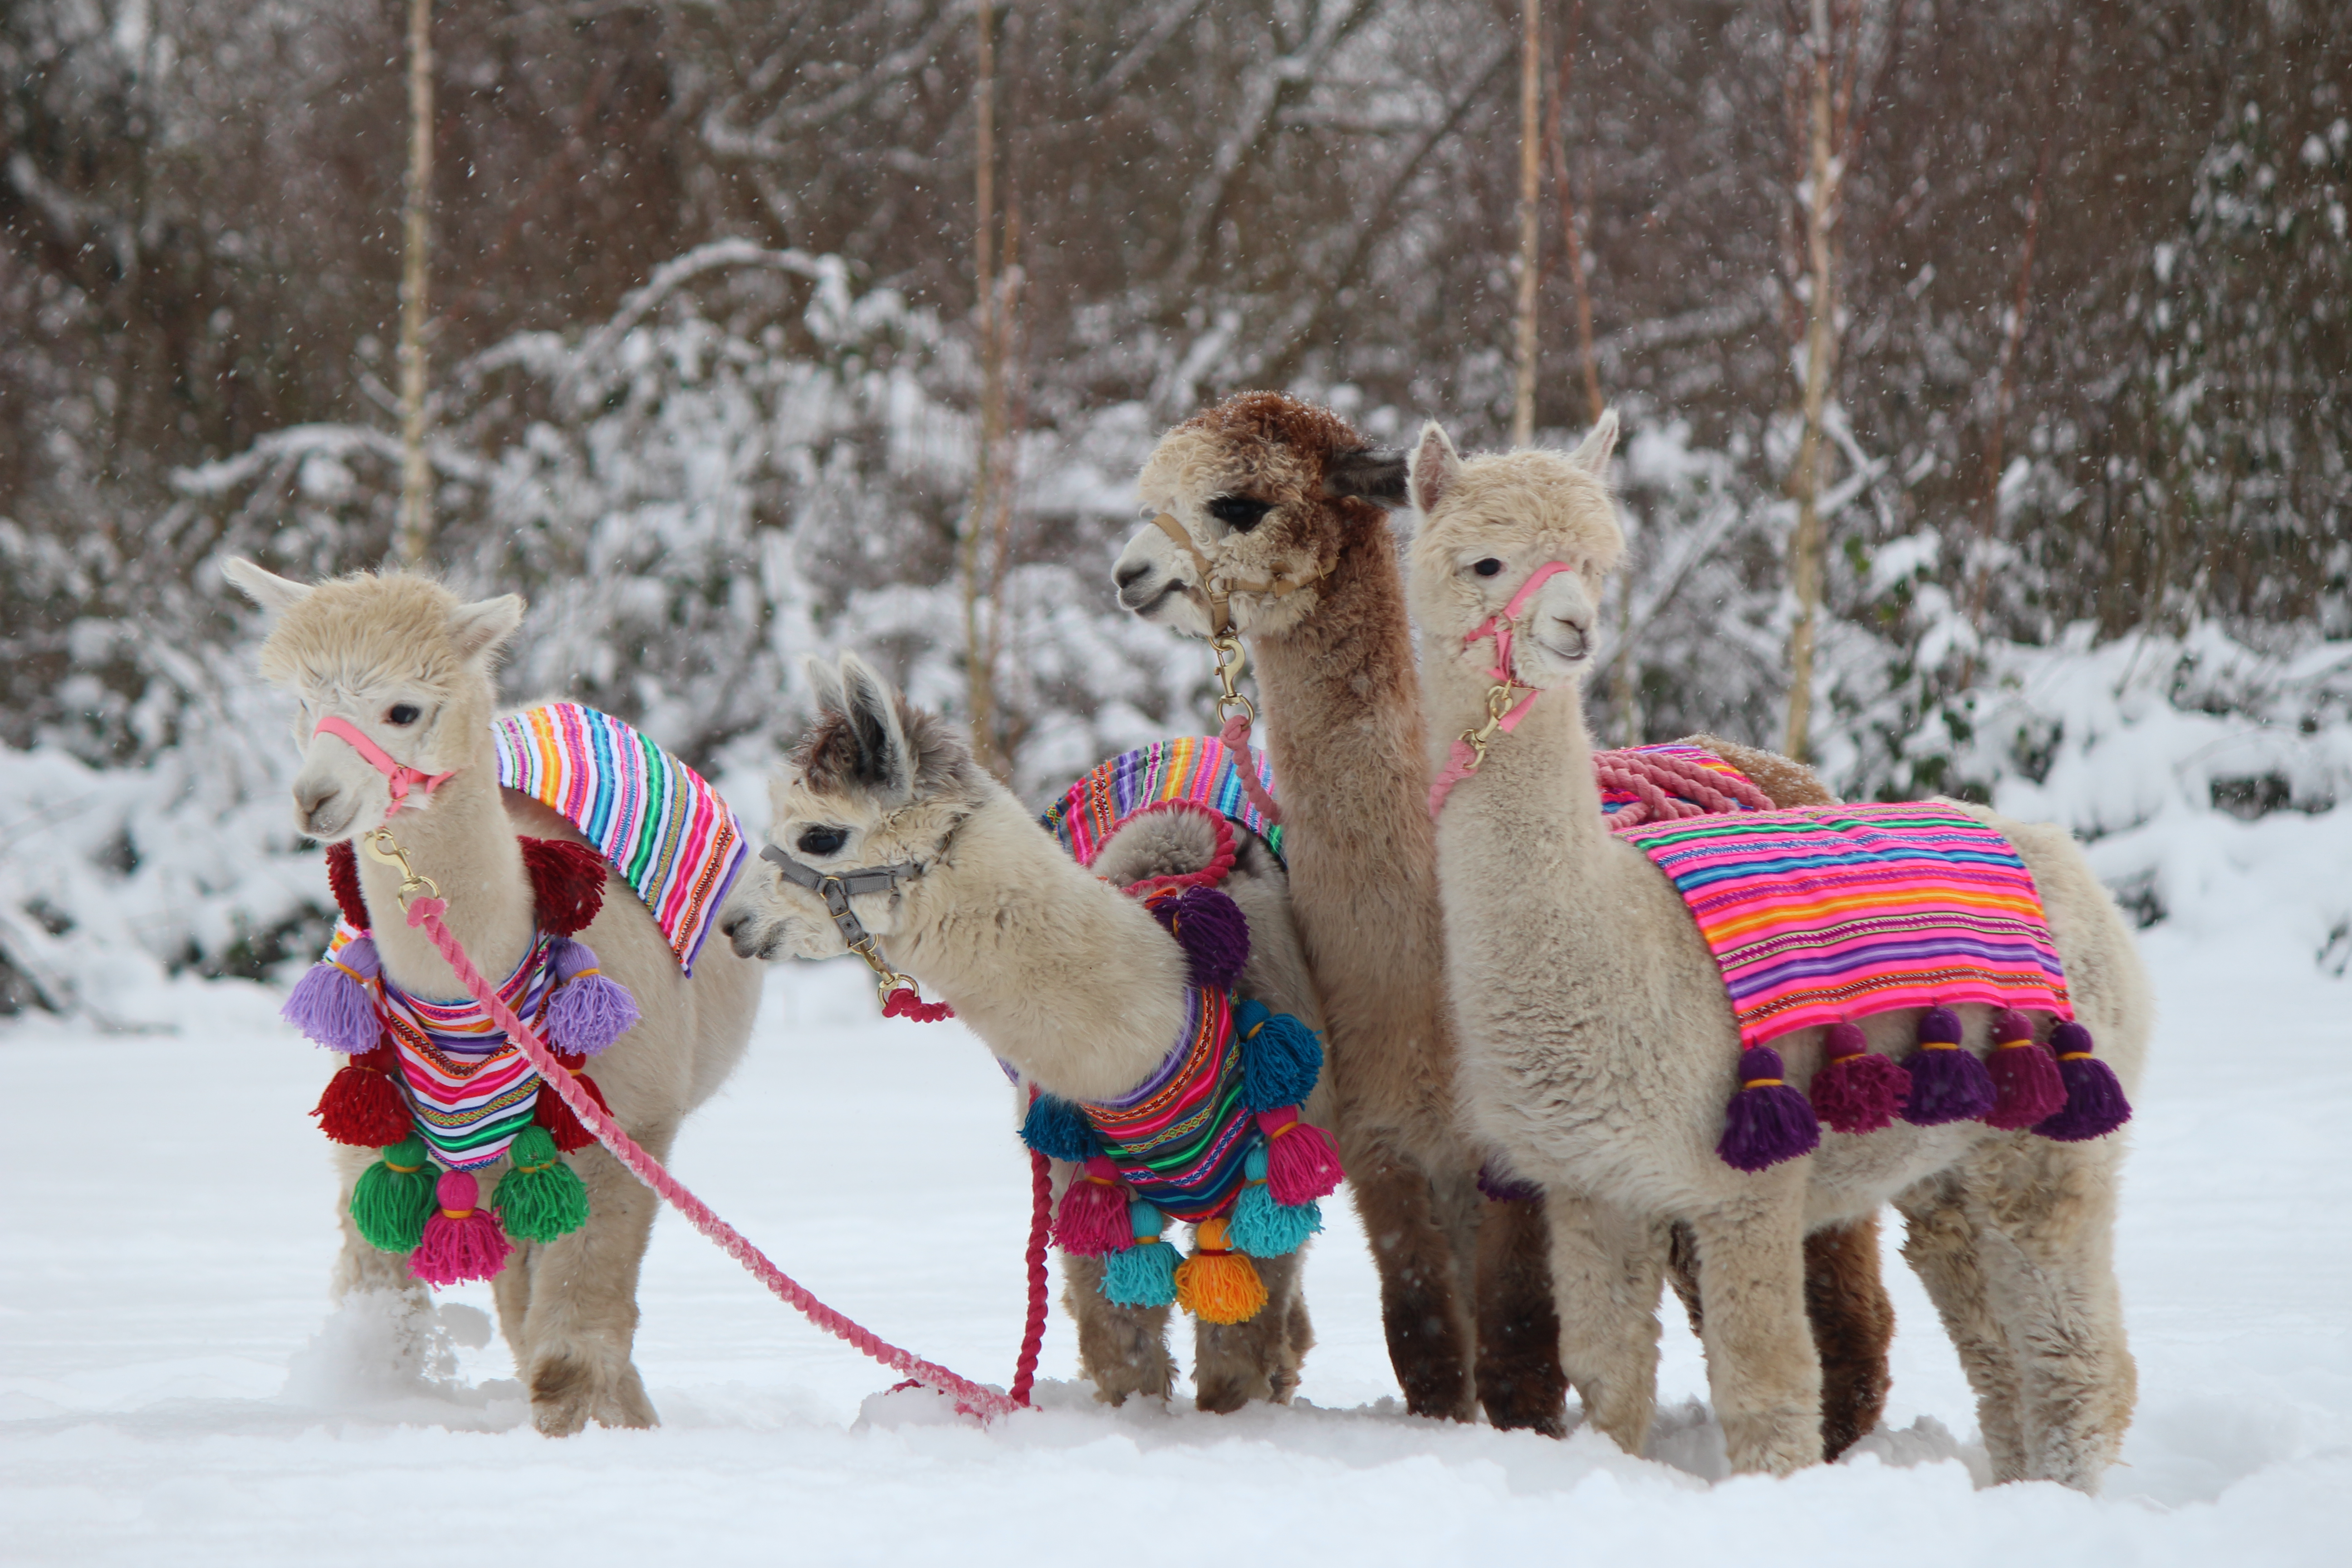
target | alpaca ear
x=274, y=594
x=1368, y=473
x=1434, y=464
x=476, y=629
x=885, y=764
x=824, y=685
x=1593, y=456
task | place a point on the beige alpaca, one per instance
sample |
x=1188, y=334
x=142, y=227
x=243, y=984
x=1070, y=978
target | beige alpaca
x=1277, y=494
x=1066, y=978
x=408, y=664
x=1598, y=1051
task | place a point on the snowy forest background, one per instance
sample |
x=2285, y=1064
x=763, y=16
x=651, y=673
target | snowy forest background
x=707, y=376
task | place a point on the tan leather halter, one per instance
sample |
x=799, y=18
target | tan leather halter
x=1221, y=619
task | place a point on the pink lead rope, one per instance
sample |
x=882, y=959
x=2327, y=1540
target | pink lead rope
x=1467, y=754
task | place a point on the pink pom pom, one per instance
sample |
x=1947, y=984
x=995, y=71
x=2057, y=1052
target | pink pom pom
x=1093, y=1218
x=1300, y=1164
x=462, y=1240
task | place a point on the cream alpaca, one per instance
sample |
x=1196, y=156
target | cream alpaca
x=1598, y=1051
x=1067, y=979
x=407, y=664
x=1280, y=498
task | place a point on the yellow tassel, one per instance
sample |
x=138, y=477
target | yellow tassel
x=1215, y=1284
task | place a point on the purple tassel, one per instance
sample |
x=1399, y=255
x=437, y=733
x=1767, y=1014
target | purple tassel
x=1857, y=1090
x=1767, y=1121
x=1211, y=929
x=2027, y=1086
x=1503, y=1189
x=2095, y=1105
x=590, y=1009
x=1947, y=1082
x=332, y=1002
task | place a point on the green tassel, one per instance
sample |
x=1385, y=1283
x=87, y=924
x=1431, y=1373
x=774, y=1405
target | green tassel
x=394, y=1197
x=542, y=1197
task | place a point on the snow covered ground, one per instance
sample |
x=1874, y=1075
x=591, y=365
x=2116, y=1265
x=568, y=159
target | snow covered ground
x=174, y=1389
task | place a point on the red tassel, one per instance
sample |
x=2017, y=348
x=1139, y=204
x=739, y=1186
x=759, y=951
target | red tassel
x=551, y=1113
x=904, y=1002
x=361, y=1106
x=1093, y=1220
x=1300, y=1164
x=1857, y=1090
x=343, y=879
x=462, y=1239
x=568, y=881
x=2025, y=1082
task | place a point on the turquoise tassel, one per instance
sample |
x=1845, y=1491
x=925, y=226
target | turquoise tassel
x=1058, y=1130
x=1281, y=1058
x=1262, y=1227
x=1143, y=1275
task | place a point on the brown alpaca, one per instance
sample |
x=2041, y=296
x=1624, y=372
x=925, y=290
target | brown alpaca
x=1280, y=494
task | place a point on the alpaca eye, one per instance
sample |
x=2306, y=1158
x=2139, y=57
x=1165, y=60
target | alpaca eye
x=823, y=840
x=1487, y=567
x=1239, y=512
x=403, y=713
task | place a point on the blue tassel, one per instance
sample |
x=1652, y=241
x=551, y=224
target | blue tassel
x=1281, y=1058
x=1058, y=1130
x=1262, y=1227
x=1143, y=1275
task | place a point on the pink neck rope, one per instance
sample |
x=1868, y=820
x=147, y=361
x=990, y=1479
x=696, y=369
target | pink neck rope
x=402, y=778
x=1503, y=716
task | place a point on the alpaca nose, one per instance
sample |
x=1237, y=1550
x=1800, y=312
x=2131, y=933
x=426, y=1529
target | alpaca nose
x=314, y=801
x=1575, y=639
x=1129, y=575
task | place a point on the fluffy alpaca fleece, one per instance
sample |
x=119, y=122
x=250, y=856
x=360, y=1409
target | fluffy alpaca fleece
x=363, y=648
x=1276, y=492
x=1598, y=1051
x=1065, y=976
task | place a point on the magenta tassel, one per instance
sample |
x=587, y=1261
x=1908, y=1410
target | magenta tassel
x=1211, y=929
x=1857, y=1090
x=1947, y=1082
x=1767, y=1122
x=462, y=1240
x=2027, y=1086
x=1300, y=1164
x=2095, y=1105
x=332, y=1002
x=590, y=1009
x=1093, y=1218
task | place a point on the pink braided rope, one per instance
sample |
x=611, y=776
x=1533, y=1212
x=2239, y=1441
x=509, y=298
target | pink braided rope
x=971, y=1397
x=1669, y=787
x=1235, y=737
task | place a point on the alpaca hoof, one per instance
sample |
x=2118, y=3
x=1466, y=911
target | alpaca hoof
x=568, y=1392
x=1776, y=1443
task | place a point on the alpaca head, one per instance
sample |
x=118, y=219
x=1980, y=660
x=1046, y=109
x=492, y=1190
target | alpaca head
x=1267, y=492
x=1485, y=525
x=400, y=659
x=875, y=781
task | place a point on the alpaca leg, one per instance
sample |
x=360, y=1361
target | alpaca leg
x=1519, y=1380
x=361, y=1267
x=582, y=1319
x=1854, y=1324
x=1606, y=1270
x=1121, y=1349
x=510, y=1292
x=2050, y=1270
x=1430, y=1335
x=1233, y=1363
x=1760, y=1364
x=1944, y=1248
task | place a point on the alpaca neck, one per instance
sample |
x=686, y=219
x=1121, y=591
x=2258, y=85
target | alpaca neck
x=1532, y=811
x=1065, y=976
x=463, y=842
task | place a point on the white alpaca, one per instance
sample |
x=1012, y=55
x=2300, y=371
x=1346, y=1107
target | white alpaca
x=1069, y=979
x=1599, y=1050
x=407, y=664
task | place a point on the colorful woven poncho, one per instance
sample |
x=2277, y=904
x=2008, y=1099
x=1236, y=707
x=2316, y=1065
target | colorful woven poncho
x=1197, y=768
x=1179, y=1138
x=1819, y=914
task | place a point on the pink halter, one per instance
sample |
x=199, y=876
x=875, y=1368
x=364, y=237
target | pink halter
x=1471, y=750
x=400, y=777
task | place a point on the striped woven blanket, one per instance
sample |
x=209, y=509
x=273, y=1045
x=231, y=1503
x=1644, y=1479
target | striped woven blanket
x=1182, y=1137
x=469, y=1090
x=1195, y=767
x=660, y=826
x=1819, y=914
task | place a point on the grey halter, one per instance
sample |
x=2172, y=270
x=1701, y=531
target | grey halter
x=838, y=888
